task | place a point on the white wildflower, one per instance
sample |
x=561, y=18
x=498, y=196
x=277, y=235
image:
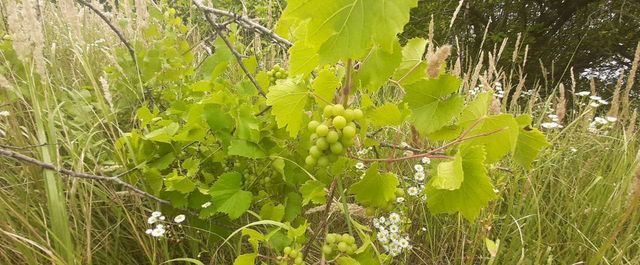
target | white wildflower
x=583, y=93
x=550, y=125
x=148, y=232
x=600, y=120
x=426, y=160
x=394, y=228
x=595, y=98
x=156, y=214
x=419, y=176
x=394, y=218
x=4, y=113
x=594, y=104
x=152, y=220
x=206, y=205
x=157, y=232
x=573, y=149
x=360, y=165
x=418, y=168
x=412, y=191
x=611, y=119
x=400, y=199
x=179, y=219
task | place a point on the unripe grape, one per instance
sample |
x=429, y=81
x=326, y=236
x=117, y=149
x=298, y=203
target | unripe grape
x=310, y=160
x=315, y=152
x=338, y=109
x=313, y=125
x=276, y=67
x=267, y=179
x=345, y=238
x=339, y=122
x=346, y=142
x=331, y=238
x=298, y=260
x=337, y=148
x=349, y=132
x=279, y=75
x=358, y=114
x=287, y=250
x=322, y=143
x=332, y=137
x=328, y=110
x=351, y=249
x=293, y=254
x=326, y=250
x=313, y=137
x=349, y=114
x=323, y=161
x=342, y=247
x=350, y=240
x=332, y=157
x=322, y=130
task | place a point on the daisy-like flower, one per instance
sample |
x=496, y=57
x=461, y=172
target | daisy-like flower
x=360, y=165
x=382, y=238
x=550, y=125
x=600, y=120
x=423, y=229
x=400, y=199
x=158, y=232
x=573, y=149
x=206, y=205
x=426, y=160
x=394, y=228
x=148, y=232
x=419, y=176
x=595, y=98
x=161, y=218
x=594, y=104
x=4, y=113
x=156, y=214
x=394, y=218
x=179, y=218
x=152, y=219
x=382, y=220
x=603, y=102
x=583, y=93
x=376, y=223
x=408, y=153
x=418, y=168
x=404, y=243
x=611, y=119
x=412, y=191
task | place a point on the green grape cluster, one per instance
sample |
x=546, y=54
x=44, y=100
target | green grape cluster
x=342, y=244
x=291, y=255
x=332, y=136
x=277, y=73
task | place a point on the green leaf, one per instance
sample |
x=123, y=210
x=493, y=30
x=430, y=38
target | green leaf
x=246, y=259
x=324, y=86
x=217, y=118
x=378, y=66
x=303, y=58
x=189, y=260
x=178, y=183
x=387, y=114
x=293, y=206
x=346, y=28
x=498, y=134
x=375, y=189
x=271, y=212
x=153, y=178
x=530, y=142
x=412, y=68
x=255, y=237
x=247, y=125
x=475, y=192
x=476, y=109
x=432, y=104
x=344, y=260
x=449, y=174
x=313, y=191
x=288, y=99
x=228, y=197
x=246, y=149
x=163, y=134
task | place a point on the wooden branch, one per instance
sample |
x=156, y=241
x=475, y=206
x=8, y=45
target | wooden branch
x=113, y=28
x=218, y=29
x=245, y=22
x=64, y=171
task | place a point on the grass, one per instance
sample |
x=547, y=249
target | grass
x=573, y=207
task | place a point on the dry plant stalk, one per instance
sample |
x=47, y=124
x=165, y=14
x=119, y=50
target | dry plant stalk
x=632, y=77
x=561, y=106
x=631, y=128
x=26, y=33
x=615, y=101
x=435, y=60
x=518, y=92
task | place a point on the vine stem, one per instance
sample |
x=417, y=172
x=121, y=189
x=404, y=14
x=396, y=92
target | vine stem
x=218, y=29
x=347, y=86
x=322, y=229
x=30, y=160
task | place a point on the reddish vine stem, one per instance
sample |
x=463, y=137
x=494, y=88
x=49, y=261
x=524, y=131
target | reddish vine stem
x=347, y=86
x=322, y=229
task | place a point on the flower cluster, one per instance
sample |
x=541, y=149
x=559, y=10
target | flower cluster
x=389, y=234
x=594, y=101
x=553, y=124
x=499, y=91
x=158, y=220
x=600, y=123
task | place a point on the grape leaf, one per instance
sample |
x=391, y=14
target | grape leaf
x=347, y=28
x=245, y=148
x=476, y=109
x=228, y=197
x=347, y=261
x=530, y=142
x=378, y=66
x=411, y=68
x=293, y=206
x=182, y=184
x=387, y=114
x=246, y=259
x=303, y=58
x=313, y=191
x=499, y=136
x=375, y=189
x=475, y=192
x=449, y=174
x=432, y=104
x=324, y=86
x=272, y=212
x=288, y=99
